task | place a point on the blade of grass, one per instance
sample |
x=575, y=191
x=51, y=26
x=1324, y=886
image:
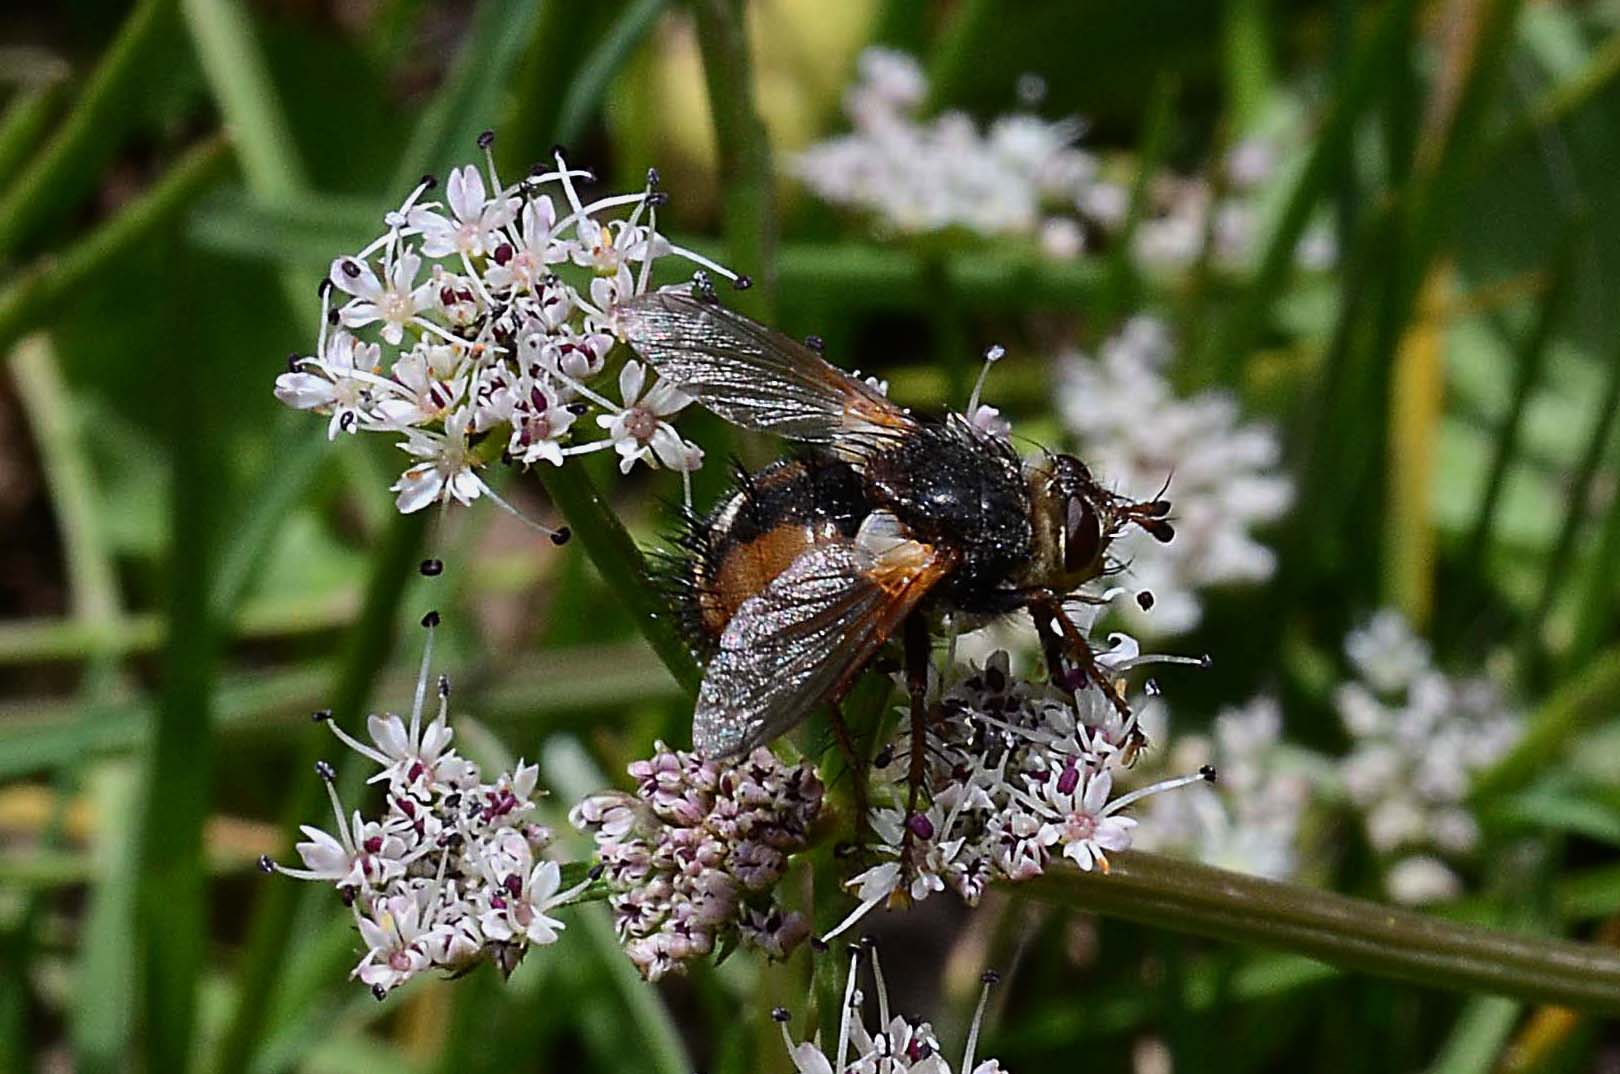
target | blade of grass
x=234, y=66
x=1530, y=360
x=23, y=123
x=589, y=85
x=1158, y=124
x=1362, y=84
x=35, y=294
x=70, y=164
x=746, y=178
x=366, y=654
x=1476, y=1040
x=1352, y=933
x=1579, y=704
x=1248, y=64
x=957, y=49
x=1594, y=613
x=470, y=99
x=173, y=908
x=105, y=968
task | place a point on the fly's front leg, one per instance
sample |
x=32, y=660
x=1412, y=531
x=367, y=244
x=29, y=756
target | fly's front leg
x=1061, y=638
x=917, y=660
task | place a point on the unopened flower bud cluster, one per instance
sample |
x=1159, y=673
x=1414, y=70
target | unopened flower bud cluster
x=480, y=325
x=1225, y=473
x=1419, y=738
x=452, y=872
x=694, y=855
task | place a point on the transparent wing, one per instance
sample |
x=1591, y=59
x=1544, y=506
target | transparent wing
x=805, y=637
x=752, y=376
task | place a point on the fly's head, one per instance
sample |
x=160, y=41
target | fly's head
x=1075, y=519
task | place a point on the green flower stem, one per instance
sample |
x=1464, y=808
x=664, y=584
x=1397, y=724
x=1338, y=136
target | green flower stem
x=273, y=917
x=1351, y=933
x=588, y=88
x=747, y=182
x=33, y=296
x=23, y=123
x=622, y=566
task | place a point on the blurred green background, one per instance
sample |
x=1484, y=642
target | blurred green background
x=189, y=568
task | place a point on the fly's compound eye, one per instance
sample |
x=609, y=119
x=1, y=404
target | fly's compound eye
x=1082, y=536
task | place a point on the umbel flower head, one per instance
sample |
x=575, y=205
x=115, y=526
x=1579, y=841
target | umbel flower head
x=453, y=871
x=1021, y=177
x=1225, y=472
x=479, y=327
x=898, y=1044
x=1017, y=774
x=1419, y=736
x=694, y=855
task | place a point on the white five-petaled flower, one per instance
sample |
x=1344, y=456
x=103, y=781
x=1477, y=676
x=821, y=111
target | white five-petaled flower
x=475, y=220
x=446, y=470
x=397, y=941
x=394, y=303
x=1076, y=805
x=516, y=903
x=639, y=431
x=343, y=381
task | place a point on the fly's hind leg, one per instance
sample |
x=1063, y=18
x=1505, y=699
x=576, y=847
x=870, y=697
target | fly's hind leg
x=917, y=656
x=859, y=772
x=1060, y=640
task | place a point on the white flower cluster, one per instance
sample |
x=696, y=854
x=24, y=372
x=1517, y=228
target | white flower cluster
x=692, y=857
x=1251, y=822
x=1016, y=773
x=1184, y=214
x=479, y=327
x=452, y=872
x=1419, y=736
x=1021, y=177
x=901, y=1045
x=1224, y=474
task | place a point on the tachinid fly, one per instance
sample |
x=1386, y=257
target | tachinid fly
x=882, y=523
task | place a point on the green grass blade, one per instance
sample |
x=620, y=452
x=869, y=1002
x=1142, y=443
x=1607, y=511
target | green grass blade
x=470, y=100
x=589, y=85
x=273, y=916
x=23, y=124
x=1582, y=702
x=103, y=1017
x=747, y=180
x=70, y=164
x=1246, y=52
x=1478, y=1037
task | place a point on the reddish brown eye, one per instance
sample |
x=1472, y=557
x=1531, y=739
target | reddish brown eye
x=1082, y=536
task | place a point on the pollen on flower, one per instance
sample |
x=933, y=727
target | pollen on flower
x=453, y=871
x=475, y=328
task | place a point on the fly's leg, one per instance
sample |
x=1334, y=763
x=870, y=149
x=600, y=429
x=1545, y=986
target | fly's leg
x=917, y=659
x=1061, y=639
x=858, y=772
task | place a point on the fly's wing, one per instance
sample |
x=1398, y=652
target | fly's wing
x=805, y=637
x=755, y=377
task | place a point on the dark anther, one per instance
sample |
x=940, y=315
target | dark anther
x=1206, y=661
x=595, y=872
x=703, y=287
x=321, y=715
x=1153, y=688
x=1160, y=530
x=292, y=362
x=559, y=150
x=1208, y=772
x=653, y=178
x=431, y=568
x=444, y=686
x=990, y=977
x=920, y=826
x=332, y=318
x=486, y=139
x=325, y=771
x=430, y=620
x=429, y=181
x=265, y=864
x=867, y=941
x=1144, y=600
x=658, y=197
x=351, y=268
x=818, y=945
x=815, y=343
x=562, y=536
x=380, y=992
x=780, y=1014
x=884, y=758
x=743, y=283
x=325, y=288
x=1068, y=780
x=503, y=253
x=578, y=409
